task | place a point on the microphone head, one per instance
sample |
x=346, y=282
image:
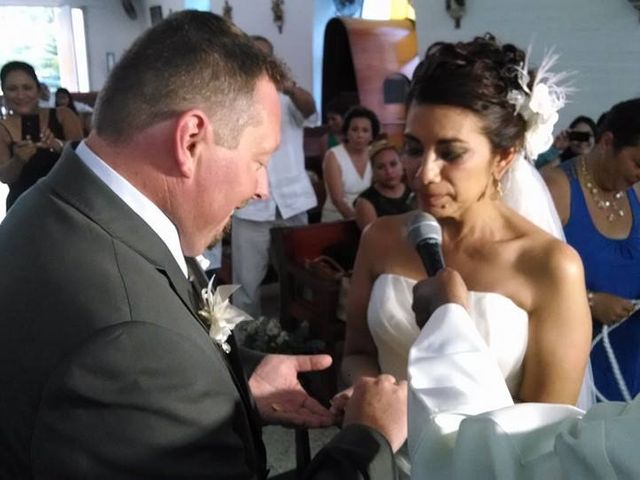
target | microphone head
x=423, y=226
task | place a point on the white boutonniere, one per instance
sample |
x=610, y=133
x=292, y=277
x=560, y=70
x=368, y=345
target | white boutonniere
x=219, y=314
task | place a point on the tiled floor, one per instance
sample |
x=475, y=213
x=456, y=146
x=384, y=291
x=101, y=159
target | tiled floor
x=281, y=452
x=280, y=442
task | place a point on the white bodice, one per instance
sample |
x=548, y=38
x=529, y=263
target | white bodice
x=500, y=322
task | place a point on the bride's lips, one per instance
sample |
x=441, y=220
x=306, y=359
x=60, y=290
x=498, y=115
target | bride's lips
x=432, y=200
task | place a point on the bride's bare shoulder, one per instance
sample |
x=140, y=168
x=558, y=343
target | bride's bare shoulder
x=385, y=242
x=551, y=261
x=386, y=230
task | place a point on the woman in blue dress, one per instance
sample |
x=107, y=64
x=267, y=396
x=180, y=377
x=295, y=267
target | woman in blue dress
x=596, y=195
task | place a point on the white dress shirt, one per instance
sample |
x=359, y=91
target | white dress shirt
x=139, y=204
x=463, y=423
x=290, y=189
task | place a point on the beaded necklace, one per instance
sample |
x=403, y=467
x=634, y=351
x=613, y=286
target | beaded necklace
x=611, y=208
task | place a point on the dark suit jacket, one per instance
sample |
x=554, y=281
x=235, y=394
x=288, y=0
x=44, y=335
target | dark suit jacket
x=105, y=369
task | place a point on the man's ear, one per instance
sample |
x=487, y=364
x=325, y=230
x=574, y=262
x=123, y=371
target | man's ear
x=192, y=134
x=503, y=160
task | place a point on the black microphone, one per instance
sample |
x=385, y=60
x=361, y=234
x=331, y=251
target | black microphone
x=425, y=234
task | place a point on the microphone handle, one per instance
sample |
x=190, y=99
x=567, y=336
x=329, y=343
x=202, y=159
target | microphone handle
x=431, y=255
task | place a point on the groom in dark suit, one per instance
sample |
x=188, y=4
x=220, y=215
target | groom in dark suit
x=106, y=368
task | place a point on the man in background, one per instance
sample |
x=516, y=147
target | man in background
x=290, y=196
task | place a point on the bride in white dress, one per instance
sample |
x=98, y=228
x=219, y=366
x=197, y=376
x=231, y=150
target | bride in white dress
x=465, y=137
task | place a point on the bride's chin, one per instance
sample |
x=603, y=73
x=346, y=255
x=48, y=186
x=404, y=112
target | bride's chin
x=437, y=209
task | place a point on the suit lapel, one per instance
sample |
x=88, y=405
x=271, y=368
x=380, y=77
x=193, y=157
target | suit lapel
x=234, y=364
x=73, y=181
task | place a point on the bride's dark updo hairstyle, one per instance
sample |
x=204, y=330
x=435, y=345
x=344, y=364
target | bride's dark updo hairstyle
x=477, y=76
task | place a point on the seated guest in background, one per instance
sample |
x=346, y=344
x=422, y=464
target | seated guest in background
x=577, y=140
x=84, y=111
x=336, y=110
x=346, y=167
x=465, y=425
x=26, y=156
x=65, y=99
x=596, y=195
x=107, y=369
x=389, y=194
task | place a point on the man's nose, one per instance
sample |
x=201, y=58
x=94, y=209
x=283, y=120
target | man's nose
x=262, y=185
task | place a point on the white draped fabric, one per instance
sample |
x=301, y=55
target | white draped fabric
x=463, y=424
x=502, y=325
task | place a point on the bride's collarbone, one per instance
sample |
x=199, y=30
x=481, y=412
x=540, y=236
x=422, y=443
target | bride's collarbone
x=493, y=269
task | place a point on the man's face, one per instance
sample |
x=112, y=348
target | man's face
x=227, y=179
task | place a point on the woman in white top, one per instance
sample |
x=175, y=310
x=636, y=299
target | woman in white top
x=346, y=167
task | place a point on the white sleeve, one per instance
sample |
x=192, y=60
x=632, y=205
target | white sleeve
x=463, y=423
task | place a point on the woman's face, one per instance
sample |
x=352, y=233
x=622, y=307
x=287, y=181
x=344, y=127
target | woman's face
x=581, y=147
x=21, y=92
x=448, y=159
x=334, y=122
x=62, y=99
x=387, y=169
x=359, y=134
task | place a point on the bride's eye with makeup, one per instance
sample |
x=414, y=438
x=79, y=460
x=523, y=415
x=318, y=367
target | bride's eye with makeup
x=451, y=154
x=411, y=149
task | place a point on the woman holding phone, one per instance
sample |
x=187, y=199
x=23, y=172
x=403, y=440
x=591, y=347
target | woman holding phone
x=576, y=140
x=31, y=138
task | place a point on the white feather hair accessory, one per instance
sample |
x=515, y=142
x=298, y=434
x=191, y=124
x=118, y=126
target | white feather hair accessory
x=539, y=104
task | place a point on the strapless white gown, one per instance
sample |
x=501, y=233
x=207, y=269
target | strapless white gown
x=501, y=323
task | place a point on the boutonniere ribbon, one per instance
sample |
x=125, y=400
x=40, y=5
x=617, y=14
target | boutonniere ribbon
x=218, y=313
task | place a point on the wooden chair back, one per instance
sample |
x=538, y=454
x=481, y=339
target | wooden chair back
x=305, y=296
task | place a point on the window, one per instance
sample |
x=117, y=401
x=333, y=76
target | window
x=386, y=10
x=203, y=5
x=54, y=43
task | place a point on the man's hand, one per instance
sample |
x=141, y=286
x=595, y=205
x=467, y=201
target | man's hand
x=380, y=403
x=429, y=294
x=279, y=395
x=302, y=99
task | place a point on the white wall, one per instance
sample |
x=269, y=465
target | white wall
x=108, y=29
x=598, y=39
x=295, y=45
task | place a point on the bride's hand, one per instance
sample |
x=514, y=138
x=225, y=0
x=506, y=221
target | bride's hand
x=339, y=402
x=610, y=309
x=429, y=294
